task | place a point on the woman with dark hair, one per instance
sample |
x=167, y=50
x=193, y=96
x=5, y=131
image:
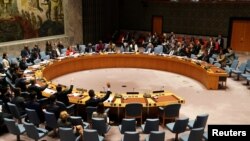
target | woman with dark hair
x=100, y=112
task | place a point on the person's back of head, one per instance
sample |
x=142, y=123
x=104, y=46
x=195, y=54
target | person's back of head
x=64, y=116
x=52, y=99
x=59, y=88
x=4, y=55
x=100, y=108
x=33, y=96
x=33, y=81
x=26, y=47
x=17, y=91
x=91, y=93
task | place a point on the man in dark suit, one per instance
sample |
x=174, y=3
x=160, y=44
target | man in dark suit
x=63, y=95
x=38, y=89
x=25, y=52
x=33, y=104
x=19, y=101
x=21, y=82
x=52, y=107
x=23, y=64
x=93, y=101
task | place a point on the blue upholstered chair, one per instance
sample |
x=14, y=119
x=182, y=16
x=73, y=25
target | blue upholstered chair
x=77, y=120
x=158, y=49
x=211, y=60
x=248, y=80
x=248, y=66
x=150, y=125
x=156, y=136
x=170, y=112
x=63, y=52
x=66, y=134
x=37, y=61
x=44, y=56
x=15, y=112
x=131, y=136
x=70, y=109
x=127, y=125
x=100, y=125
x=205, y=136
x=200, y=121
x=9, y=81
x=32, y=116
x=89, y=111
x=179, y=126
x=217, y=64
x=91, y=135
x=232, y=67
x=247, y=70
x=195, y=134
x=134, y=110
x=34, y=132
x=241, y=69
x=16, y=129
x=50, y=120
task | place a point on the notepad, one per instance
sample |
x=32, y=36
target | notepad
x=49, y=91
x=76, y=94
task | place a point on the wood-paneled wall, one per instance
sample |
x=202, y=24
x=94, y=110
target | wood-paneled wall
x=240, y=39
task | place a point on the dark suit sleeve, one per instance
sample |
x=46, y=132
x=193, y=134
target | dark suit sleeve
x=68, y=91
x=106, y=96
x=43, y=87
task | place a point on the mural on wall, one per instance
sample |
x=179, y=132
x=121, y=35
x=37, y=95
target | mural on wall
x=25, y=19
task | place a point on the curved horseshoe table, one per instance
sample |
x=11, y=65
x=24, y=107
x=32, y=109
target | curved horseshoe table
x=207, y=74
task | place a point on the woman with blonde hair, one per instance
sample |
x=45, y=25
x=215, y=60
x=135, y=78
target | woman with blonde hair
x=63, y=121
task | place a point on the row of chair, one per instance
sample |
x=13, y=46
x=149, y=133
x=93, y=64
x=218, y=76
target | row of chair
x=18, y=129
x=134, y=110
x=129, y=125
x=197, y=127
x=243, y=71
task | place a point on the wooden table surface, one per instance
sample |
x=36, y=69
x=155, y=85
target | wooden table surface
x=205, y=73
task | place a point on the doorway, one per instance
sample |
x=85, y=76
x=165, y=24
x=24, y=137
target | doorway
x=157, y=24
x=240, y=37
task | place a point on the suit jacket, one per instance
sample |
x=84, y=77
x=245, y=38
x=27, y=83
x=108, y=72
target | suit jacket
x=38, y=90
x=53, y=108
x=20, y=82
x=20, y=103
x=63, y=95
x=38, y=108
x=23, y=65
x=25, y=53
x=94, y=101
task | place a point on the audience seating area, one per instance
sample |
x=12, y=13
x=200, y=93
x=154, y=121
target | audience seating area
x=97, y=128
x=241, y=72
